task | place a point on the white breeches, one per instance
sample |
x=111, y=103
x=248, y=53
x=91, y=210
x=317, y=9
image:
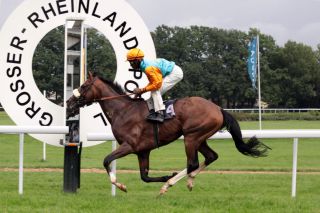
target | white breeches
x=172, y=79
x=155, y=101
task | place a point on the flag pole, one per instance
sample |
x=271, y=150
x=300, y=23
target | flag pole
x=259, y=88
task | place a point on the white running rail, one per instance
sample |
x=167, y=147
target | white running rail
x=21, y=130
x=295, y=134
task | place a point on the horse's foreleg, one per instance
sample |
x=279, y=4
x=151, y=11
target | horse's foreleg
x=144, y=169
x=123, y=150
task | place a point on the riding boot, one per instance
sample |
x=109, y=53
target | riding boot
x=156, y=116
x=152, y=111
x=152, y=115
x=160, y=116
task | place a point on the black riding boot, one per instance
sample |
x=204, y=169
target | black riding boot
x=156, y=116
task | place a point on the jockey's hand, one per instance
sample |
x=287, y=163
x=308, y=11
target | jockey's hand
x=137, y=91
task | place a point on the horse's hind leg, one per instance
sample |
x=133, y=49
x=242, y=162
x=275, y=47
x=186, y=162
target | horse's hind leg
x=192, y=164
x=209, y=156
x=172, y=181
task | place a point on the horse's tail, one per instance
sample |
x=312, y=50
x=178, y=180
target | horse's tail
x=253, y=147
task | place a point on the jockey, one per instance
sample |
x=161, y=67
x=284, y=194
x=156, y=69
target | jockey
x=162, y=76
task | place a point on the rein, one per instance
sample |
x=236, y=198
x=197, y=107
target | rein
x=78, y=94
x=111, y=97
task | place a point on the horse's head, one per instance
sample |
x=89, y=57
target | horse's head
x=84, y=95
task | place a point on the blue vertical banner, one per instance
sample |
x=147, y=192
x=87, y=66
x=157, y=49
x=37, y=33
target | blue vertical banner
x=252, y=62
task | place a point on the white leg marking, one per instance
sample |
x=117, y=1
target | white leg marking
x=113, y=180
x=173, y=181
x=192, y=175
x=197, y=171
x=177, y=177
x=181, y=175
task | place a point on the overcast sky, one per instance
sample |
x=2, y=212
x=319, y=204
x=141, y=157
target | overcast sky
x=297, y=20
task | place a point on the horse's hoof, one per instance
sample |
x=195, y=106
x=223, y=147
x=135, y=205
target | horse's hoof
x=190, y=184
x=123, y=188
x=162, y=191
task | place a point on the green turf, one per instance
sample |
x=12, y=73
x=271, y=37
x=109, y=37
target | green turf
x=4, y=119
x=171, y=157
x=212, y=192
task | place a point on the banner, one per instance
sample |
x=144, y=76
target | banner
x=252, y=62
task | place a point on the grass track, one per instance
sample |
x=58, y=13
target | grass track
x=212, y=192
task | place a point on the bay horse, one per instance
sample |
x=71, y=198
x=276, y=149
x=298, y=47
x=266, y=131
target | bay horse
x=195, y=118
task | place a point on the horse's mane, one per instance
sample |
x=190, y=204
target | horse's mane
x=117, y=88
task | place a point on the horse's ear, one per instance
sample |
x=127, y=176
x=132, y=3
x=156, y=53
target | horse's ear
x=91, y=75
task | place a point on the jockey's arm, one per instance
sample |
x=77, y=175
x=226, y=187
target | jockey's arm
x=155, y=79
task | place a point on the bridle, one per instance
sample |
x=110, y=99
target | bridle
x=80, y=96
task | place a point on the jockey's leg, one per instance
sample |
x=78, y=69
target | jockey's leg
x=158, y=107
x=150, y=104
x=172, y=79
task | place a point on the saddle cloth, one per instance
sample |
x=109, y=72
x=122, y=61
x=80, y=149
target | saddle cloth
x=169, y=111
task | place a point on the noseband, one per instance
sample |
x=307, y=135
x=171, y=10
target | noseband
x=80, y=97
x=81, y=100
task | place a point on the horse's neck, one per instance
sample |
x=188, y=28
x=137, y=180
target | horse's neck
x=110, y=107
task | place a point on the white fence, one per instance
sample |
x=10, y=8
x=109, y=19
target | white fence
x=295, y=134
x=274, y=110
x=21, y=130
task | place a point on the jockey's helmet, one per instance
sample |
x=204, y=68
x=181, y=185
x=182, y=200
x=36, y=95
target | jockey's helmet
x=134, y=54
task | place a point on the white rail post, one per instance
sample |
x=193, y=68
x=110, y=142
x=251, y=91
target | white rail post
x=44, y=155
x=114, y=168
x=21, y=141
x=294, y=167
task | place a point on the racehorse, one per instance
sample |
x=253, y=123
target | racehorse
x=195, y=118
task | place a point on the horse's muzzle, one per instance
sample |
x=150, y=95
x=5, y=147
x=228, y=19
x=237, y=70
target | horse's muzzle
x=72, y=106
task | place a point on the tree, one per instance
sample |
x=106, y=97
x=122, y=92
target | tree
x=295, y=77
x=213, y=61
x=48, y=63
x=48, y=60
x=101, y=58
